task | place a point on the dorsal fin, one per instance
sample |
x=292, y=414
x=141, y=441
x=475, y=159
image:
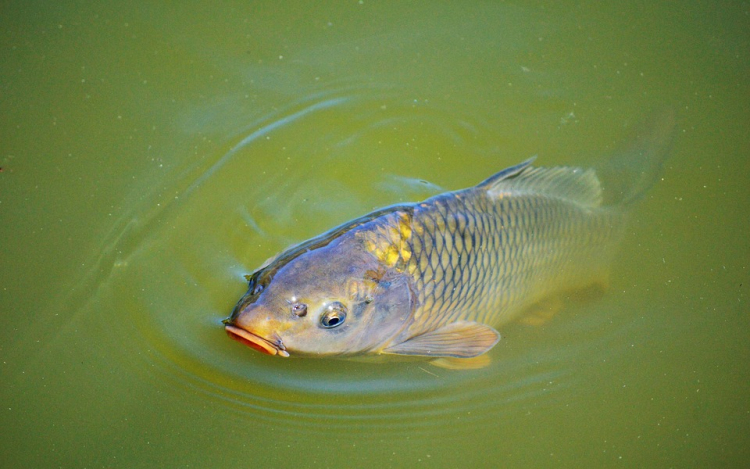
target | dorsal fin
x=488, y=183
x=626, y=175
x=575, y=184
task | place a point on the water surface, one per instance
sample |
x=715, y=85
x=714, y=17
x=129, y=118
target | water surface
x=152, y=156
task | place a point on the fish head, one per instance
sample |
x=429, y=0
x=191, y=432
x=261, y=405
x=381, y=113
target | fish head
x=333, y=300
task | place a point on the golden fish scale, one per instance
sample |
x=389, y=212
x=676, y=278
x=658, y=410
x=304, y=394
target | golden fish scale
x=387, y=239
x=481, y=258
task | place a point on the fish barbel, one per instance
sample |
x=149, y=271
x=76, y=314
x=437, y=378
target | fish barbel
x=436, y=278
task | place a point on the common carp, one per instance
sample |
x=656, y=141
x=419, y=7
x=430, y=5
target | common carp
x=438, y=277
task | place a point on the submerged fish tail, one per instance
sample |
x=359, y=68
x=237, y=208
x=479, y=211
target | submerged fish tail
x=635, y=168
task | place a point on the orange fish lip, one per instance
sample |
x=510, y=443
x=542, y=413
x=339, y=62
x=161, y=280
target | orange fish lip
x=255, y=341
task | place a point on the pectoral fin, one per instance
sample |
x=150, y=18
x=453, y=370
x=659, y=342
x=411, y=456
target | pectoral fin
x=461, y=339
x=453, y=363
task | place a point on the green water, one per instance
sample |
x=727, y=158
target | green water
x=152, y=155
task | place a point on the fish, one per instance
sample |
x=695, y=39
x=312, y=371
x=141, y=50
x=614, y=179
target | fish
x=438, y=278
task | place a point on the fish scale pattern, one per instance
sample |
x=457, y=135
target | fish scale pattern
x=482, y=257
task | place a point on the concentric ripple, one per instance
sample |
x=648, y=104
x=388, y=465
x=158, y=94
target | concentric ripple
x=176, y=262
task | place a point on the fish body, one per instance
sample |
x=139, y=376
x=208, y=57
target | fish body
x=438, y=277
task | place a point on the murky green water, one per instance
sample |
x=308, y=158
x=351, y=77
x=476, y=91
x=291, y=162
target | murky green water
x=151, y=155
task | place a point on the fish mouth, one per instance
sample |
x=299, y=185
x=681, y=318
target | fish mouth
x=255, y=341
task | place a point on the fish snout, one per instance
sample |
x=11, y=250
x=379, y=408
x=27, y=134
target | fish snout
x=245, y=304
x=253, y=325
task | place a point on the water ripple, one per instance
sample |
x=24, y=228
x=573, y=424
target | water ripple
x=175, y=268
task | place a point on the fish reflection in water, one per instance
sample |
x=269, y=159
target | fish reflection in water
x=438, y=277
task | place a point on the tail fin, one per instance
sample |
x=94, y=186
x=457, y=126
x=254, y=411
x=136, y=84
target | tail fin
x=636, y=167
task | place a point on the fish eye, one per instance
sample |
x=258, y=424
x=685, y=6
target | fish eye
x=299, y=309
x=334, y=316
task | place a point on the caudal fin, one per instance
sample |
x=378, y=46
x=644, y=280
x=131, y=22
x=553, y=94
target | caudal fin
x=638, y=164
